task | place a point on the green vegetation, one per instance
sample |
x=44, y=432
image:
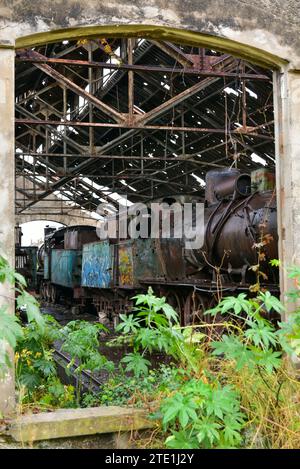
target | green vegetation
x=223, y=390
x=231, y=390
x=36, y=373
x=228, y=383
x=37, y=382
x=121, y=389
x=10, y=327
x=81, y=342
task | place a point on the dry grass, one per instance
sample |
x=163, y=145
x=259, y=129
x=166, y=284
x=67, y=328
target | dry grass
x=271, y=403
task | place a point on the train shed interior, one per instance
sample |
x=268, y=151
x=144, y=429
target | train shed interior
x=108, y=119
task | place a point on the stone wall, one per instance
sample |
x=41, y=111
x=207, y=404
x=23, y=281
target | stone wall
x=59, y=210
x=269, y=25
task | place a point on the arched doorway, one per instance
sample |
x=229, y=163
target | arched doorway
x=287, y=125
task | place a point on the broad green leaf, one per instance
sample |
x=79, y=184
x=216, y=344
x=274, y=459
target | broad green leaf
x=170, y=313
x=10, y=329
x=129, y=324
x=20, y=279
x=136, y=363
x=32, y=308
x=179, y=407
x=208, y=429
x=271, y=302
x=261, y=335
x=181, y=440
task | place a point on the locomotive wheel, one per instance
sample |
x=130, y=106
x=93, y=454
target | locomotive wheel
x=48, y=292
x=53, y=294
x=44, y=289
x=45, y=292
x=175, y=301
x=216, y=332
x=194, y=308
x=42, y=293
x=103, y=307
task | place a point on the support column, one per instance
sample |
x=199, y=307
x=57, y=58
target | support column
x=287, y=118
x=7, y=196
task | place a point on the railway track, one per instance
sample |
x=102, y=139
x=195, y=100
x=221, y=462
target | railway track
x=89, y=381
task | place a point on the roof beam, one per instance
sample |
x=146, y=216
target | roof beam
x=171, y=128
x=227, y=63
x=32, y=117
x=175, y=52
x=179, y=98
x=147, y=68
x=64, y=81
x=60, y=54
x=79, y=169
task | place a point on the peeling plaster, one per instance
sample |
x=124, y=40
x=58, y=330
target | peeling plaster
x=264, y=40
x=272, y=26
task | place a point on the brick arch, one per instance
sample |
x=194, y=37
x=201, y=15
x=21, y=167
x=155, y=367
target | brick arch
x=67, y=220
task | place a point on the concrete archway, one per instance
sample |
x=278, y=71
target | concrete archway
x=60, y=212
x=263, y=32
x=242, y=49
x=64, y=219
x=33, y=231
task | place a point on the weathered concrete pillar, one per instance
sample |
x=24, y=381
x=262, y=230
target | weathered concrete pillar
x=287, y=117
x=7, y=208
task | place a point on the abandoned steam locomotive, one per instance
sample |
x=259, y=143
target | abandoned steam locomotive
x=240, y=234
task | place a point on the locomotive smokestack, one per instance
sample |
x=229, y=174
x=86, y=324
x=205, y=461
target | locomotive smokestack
x=226, y=183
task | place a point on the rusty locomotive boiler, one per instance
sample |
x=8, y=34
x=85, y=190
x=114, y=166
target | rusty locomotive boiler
x=239, y=239
x=238, y=222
